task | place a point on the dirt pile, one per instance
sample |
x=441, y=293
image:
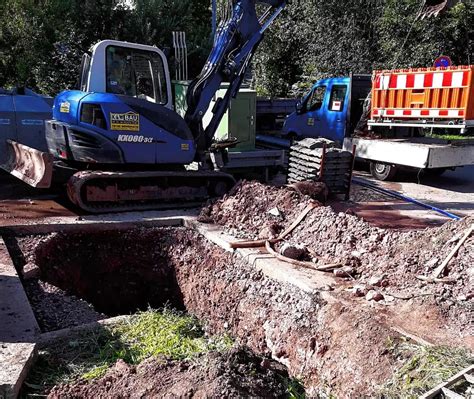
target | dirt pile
x=252, y=207
x=385, y=261
x=237, y=373
x=389, y=261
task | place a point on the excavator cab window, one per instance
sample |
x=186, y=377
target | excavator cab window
x=136, y=73
x=85, y=68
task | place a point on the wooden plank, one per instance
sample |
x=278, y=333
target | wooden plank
x=451, y=255
x=451, y=394
x=455, y=378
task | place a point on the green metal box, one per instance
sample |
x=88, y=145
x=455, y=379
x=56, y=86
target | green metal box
x=238, y=121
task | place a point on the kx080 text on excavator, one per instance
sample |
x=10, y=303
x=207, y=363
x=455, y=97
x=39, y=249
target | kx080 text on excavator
x=118, y=140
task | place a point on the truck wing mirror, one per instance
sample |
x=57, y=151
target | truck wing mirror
x=299, y=107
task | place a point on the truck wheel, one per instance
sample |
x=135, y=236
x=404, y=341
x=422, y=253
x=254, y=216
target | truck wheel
x=383, y=171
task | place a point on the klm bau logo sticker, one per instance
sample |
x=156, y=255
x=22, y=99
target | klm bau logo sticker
x=129, y=121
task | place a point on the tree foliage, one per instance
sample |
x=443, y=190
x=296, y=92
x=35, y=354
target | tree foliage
x=319, y=38
x=42, y=41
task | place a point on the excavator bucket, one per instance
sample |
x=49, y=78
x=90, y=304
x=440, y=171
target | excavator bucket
x=433, y=8
x=32, y=166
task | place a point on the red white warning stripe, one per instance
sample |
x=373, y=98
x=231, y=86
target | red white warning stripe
x=419, y=113
x=425, y=80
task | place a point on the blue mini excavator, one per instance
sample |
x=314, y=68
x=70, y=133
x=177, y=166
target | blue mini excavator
x=118, y=138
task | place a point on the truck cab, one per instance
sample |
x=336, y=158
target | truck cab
x=392, y=138
x=331, y=109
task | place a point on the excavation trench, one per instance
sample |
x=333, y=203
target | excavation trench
x=325, y=341
x=117, y=272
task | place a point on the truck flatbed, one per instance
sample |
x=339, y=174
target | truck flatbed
x=415, y=152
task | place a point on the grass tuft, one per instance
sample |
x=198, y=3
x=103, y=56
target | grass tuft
x=167, y=333
x=423, y=367
x=450, y=136
x=295, y=389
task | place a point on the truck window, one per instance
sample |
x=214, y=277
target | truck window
x=136, y=73
x=316, y=99
x=338, y=97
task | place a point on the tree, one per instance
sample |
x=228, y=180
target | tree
x=320, y=38
x=413, y=42
x=42, y=41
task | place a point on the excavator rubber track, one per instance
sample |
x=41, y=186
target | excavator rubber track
x=106, y=192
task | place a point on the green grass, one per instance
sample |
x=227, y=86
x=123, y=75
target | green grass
x=423, y=367
x=450, y=137
x=167, y=333
x=295, y=389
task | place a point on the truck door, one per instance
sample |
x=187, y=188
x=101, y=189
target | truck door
x=334, y=115
x=323, y=112
x=313, y=113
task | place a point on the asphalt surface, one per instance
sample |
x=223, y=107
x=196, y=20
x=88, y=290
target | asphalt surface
x=453, y=191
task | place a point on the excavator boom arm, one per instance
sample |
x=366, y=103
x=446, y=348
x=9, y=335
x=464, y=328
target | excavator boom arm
x=236, y=40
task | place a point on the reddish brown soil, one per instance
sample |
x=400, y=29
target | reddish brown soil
x=118, y=272
x=334, y=341
x=245, y=210
x=22, y=204
x=386, y=212
x=237, y=373
x=400, y=257
x=325, y=342
x=340, y=237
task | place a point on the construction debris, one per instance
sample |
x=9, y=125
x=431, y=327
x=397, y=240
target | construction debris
x=440, y=270
x=382, y=259
x=378, y=281
x=309, y=265
x=294, y=251
x=464, y=379
x=373, y=295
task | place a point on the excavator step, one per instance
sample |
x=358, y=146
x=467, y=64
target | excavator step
x=103, y=192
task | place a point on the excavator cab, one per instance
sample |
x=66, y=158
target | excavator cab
x=128, y=69
x=123, y=114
